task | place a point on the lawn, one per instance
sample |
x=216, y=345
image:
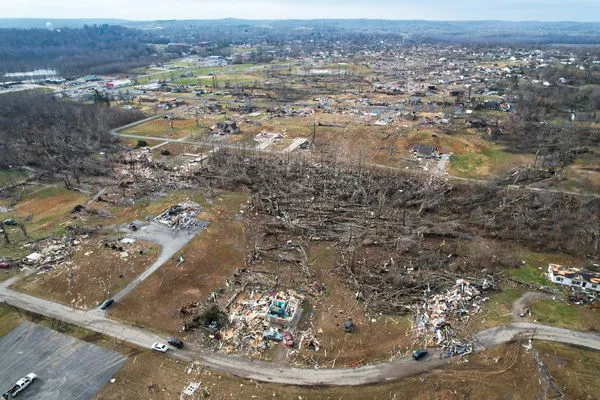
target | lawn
x=95, y=273
x=9, y=319
x=529, y=274
x=42, y=211
x=176, y=129
x=576, y=370
x=210, y=258
x=565, y=315
x=496, y=311
x=10, y=176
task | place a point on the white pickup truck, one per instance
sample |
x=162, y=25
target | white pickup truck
x=19, y=386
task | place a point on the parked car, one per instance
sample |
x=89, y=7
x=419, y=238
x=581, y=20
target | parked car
x=106, y=304
x=11, y=222
x=160, y=347
x=175, y=342
x=417, y=355
x=4, y=264
x=288, y=339
x=20, y=386
x=272, y=334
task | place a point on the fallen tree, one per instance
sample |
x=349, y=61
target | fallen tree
x=401, y=233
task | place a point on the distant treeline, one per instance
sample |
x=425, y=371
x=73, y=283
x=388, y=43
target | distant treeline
x=106, y=49
x=99, y=49
x=60, y=137
x=356, y=30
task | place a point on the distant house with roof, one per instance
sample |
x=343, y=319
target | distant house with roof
x=574, y=277
x=421, y=150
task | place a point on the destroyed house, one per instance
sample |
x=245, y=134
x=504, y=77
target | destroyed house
x=283, y=312
x=574, y=277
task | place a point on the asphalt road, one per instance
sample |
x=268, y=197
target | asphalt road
x=67, y=368
x=267, y=372
x=170, y=241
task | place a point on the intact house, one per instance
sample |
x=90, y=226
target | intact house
x=574, y=277
x=424, y=151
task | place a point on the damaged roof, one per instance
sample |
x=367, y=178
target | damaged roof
x=575, y=273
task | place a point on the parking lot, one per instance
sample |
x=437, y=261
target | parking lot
x=67, y=368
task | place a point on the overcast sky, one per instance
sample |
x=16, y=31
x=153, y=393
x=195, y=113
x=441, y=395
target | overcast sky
x=513, y=10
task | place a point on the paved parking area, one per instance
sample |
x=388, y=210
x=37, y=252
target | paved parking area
x=67, y=368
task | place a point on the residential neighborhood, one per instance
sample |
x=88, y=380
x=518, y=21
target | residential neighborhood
x=319, y=208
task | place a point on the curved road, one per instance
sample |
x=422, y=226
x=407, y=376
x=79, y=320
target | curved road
x=267, y=372
x=95, y=320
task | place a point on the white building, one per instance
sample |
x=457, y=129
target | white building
x=574, y=276
x=118, y=83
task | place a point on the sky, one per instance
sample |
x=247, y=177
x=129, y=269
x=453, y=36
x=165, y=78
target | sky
x=510, y=10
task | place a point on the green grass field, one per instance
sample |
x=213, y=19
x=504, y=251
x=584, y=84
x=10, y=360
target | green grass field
x=529, y=274
x=10, y=176
x=565, y=315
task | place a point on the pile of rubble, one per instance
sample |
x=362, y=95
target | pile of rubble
x=51, y=253
x=265, y=139
x=439, y=316
x=126, y=247
x=283, y=112
x=309, y=339
x=254, y=317
x=580, y=297
x=315, y=289
x=181, y=216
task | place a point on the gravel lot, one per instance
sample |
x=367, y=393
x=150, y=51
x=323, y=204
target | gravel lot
x=67, y=368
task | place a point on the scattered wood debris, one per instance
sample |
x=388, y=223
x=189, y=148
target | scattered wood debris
x=180, y=216
x=440, y=314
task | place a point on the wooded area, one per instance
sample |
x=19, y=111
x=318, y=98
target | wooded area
x=99, y=49
x=58, y=136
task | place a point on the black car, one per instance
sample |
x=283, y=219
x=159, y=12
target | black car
x=107, y=304
x=175, y=342
x=417, y=355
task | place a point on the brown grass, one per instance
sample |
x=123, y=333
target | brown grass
x=97, y=274
x=162, y=128
x=375, y=336
x=210, y=259
x=506, y=371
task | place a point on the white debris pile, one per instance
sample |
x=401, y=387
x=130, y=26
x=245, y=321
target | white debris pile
x=265, y=139
x=441, y=315
x=53, y=252
x=181, y=216
x=195, y=390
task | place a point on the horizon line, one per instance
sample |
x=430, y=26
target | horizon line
x=298, y=19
